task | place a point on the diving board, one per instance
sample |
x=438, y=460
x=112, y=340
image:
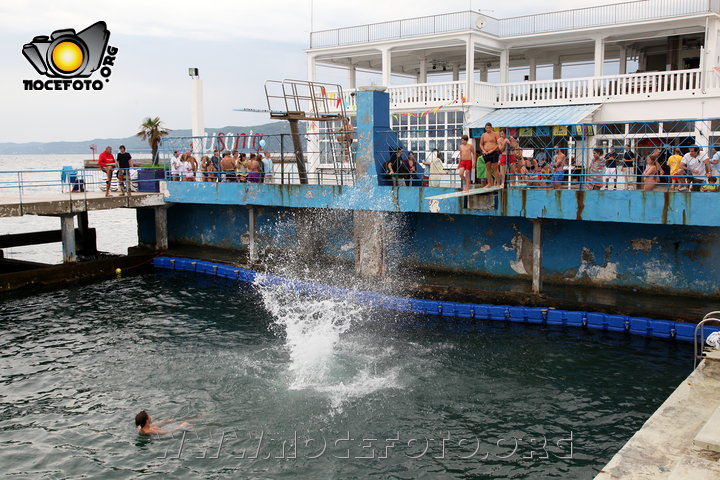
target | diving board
x=476, y=191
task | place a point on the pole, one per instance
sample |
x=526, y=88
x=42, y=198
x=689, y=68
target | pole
x=537, y=256
x=282, y=159
x=297, y=146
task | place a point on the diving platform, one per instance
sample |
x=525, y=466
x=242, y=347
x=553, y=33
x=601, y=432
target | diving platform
x=475, y=191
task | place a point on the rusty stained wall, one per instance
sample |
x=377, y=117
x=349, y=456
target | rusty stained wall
x=661, y=258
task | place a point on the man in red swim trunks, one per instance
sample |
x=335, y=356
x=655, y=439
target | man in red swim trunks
x=467, y=163
x=106, y=162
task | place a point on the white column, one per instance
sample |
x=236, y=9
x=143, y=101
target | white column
x=483, y=72
x=470, y=67
x=557, y=69
x=198, y=117
x=623, y=59
x=352, y=77
x=422, y=76
x=504, y=65
x=386, y=66
x=456, y=72
x=712, y=59
x=311, y=68
x=532, y=76
x=599, y=56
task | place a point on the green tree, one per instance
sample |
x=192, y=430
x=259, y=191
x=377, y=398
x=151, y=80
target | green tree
x=152, y=131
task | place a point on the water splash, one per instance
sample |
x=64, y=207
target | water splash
x=327, y=354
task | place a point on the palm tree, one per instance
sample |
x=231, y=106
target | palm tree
x=151, y=130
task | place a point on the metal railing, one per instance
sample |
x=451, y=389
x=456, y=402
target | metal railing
x=627, y=12
x=698, y=341
x=25, y=186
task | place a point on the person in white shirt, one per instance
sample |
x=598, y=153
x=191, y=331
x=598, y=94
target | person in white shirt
x=697, y=167
x=715, y=163
x=175, y=167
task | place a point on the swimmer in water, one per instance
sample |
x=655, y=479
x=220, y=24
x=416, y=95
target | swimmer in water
x=144, y=424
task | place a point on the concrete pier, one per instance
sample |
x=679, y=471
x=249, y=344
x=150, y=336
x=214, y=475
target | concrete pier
x=537, y=255
x=665, y=446
x=370, y=238
x=67, y=229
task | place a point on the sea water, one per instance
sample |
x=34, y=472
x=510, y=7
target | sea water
x=276, y=385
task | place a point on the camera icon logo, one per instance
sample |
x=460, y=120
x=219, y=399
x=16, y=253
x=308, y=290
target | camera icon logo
x=67, y=54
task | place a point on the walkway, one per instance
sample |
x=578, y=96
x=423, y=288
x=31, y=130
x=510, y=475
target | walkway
x=73, y=202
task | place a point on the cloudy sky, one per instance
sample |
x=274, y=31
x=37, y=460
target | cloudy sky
x=236, y=44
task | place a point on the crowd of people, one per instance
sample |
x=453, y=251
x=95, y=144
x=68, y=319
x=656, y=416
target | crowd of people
x=222, y=167
x=122, y=165
x=501, y=160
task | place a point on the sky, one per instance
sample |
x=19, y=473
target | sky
x=236, y=44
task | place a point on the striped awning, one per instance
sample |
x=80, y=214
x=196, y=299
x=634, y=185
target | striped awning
x=536, y=116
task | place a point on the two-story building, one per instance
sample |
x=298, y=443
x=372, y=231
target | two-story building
x=633, y=69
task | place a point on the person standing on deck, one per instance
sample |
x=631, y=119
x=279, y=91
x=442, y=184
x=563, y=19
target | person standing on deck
x=254, y=168
x=491, y=153
x=697, y=166
x=610, y=170
x=267, y=168
x=627, y=170
x=175, y=166
x=436, y=168
x=559, y=162
x=467, y=162
x=227, y=164
x=106, y=162
x=125, y=163
x=215, y=159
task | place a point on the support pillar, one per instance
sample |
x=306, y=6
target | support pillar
x=470, y=68
x=352, y=77
x=386, y=66
x=456, y=72
x=532, y=75
x=504, y=65
x=311, y=68
x=484, y=73
x=88, y=238
x=599, y=56
x=67, y=233
x=623, y=60
x=370, y=247
x=422, y=75
x=537, y=256
x=252, y=245
x=557, y=69
x=161, y=230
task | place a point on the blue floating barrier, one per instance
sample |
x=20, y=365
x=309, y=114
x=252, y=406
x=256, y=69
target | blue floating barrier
x=555, y=317
x=596, y=321
x=536, y=315
x=616, y=323
x=424, y=307
x=496, y=312
x=685, y=331
x=464, y=310
x=482, y=312
x=639, y=326
x=574, y=319
x=517, y=314
x=662, y=329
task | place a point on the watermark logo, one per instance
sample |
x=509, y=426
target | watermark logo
x=69, y=57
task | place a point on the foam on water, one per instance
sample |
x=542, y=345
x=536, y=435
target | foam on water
x=326, y=355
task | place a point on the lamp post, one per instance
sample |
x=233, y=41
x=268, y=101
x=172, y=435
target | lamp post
x=198, y=121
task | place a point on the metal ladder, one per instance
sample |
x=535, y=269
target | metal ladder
x=699, y=347
x=338, y=160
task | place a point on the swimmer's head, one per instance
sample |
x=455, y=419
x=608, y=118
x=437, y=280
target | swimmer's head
x=142, y=419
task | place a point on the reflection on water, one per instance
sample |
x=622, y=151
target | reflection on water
x=280, y=386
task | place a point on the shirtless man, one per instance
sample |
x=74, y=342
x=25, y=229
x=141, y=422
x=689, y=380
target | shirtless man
x=345, y=139
x=491, y=152
x=144, y=424
x=558, y=167
x=254, y=168
x=227, y=165
x=467, y=163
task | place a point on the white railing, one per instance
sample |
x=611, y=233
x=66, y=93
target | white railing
x=651, y=85
x=574, y=90
x=627, y=12
x=427, y=94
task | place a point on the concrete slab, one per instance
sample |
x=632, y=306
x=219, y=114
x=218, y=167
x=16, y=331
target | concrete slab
x=73, y=202
x=709, y=435
x=663, y=448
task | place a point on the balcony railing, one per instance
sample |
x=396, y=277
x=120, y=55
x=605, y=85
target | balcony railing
x=632, y=86
x=628, y=12
x=670, y=84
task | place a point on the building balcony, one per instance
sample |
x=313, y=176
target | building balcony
x=670, y=85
